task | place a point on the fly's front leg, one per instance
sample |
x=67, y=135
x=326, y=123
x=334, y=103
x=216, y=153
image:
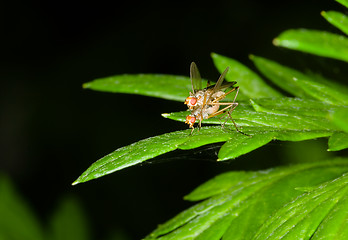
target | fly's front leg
x=193, y=128
x=200, y=123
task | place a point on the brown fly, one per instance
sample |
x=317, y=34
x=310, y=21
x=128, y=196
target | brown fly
x=205, y=103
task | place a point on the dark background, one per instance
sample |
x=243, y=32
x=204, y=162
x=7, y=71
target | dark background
x=52, y=129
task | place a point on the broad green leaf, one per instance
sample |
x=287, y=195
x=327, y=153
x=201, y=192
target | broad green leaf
x=169, y=87
x=237, y=209
x=151, y=147
x=301, y=85
x=316, y=42
x=250, y=83
x=338, y=141
x=285, y=119
x=69, y=222
x=318, y=214
x=337, y=19
x=343, y=2
x=17, y=221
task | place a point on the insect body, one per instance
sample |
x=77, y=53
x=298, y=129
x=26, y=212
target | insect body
x=205, y=103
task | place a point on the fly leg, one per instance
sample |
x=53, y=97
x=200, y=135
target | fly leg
x=193, y=128
x=216, y=100
x=229, y=108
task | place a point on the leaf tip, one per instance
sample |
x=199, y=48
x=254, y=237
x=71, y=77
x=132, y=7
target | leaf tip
x=323, y=13
x=187, y=197
x=85, y=85
x=213, y=54
x=165, y=115
x=256, y=106
x=75, y=182
x=251, y=56
x=276, y=42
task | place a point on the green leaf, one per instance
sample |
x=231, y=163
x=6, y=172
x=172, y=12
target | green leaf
x=318, y=214
x=285, y=119
x=242, y=145
x=280, y=75
x=224, y=182
x=343, y=2
x=134, y=154
x=301, y=85
x=237, y=209
x=337, y=19
x=320, y=43
x=169, y=87
x=250, y=83
x=335, y=223
x=17, y=221
x=338, y=141
x=69, y=222
x=324, y=92
x=340, y=118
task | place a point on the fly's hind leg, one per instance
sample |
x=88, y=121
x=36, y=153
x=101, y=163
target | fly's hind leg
x=228, y=109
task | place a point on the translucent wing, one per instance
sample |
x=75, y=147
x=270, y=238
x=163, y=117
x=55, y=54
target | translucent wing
x=196, y=80
x=226, y=85
x=218, y=84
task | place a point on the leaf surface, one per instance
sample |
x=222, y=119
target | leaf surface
x=340, y=118
x=338, y=141
x=302, y=85
x=343, y=2
x=317, y=214
x=169, y=87
x=316, y=42
x=285, y=119
x=238, y=209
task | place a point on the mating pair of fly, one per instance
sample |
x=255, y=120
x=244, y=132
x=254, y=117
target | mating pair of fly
x=205, y=103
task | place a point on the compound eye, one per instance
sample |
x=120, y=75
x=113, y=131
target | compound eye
x=193, y=120
x=190, y=119
x=193, y=101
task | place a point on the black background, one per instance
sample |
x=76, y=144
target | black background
x=52, y=129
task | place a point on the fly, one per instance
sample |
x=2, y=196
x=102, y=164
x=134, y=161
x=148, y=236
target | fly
x=205, y=103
